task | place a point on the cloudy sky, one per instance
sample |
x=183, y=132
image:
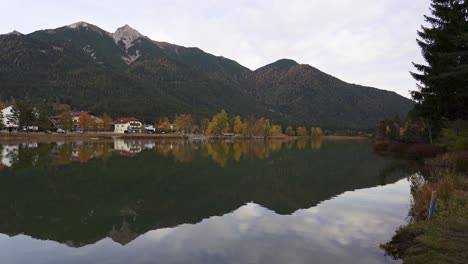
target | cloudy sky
x=369, y=42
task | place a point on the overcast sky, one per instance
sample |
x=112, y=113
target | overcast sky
x=369, y=42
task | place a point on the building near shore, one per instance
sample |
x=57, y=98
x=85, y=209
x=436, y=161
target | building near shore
x=128, y=125
x=94, y=122
x=10, y=121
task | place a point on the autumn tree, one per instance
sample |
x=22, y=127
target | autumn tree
x=290, y=131
x=106, y=122
x=219, y=124
x=164, y=124
x=248, y=128
x=302, y=132
x=184, y=122
x=237, y=125
x=262, y=127
x=204, y=124
x=276, y=130
x=87, y=121
x=66, y=121
x=316, y=132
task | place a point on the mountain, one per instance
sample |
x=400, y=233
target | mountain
x=126, y=73
x=314, y=97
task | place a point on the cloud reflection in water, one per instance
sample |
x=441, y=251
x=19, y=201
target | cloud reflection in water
x=345, y=229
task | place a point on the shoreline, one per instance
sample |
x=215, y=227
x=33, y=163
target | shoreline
x=8, y=137
x=414, y=242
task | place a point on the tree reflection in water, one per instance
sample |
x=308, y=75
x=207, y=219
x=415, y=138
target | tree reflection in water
x=78, y=193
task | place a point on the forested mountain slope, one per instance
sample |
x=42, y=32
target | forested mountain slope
x=127, y=73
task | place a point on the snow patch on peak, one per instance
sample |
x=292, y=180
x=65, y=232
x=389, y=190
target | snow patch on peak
x=87, y=26
x=127, y=35
x=80, y=24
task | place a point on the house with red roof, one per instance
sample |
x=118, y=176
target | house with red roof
x=128, y=125
x=55, y=120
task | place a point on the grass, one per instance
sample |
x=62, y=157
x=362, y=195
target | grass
x=408, y=150
x=443, y=239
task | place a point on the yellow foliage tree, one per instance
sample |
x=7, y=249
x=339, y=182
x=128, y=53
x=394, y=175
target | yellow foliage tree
x=315, y=132
x=262, y=127
x=184, y=122
x=290, y=131
x=237, y=126
x=106, y=122
x=219, y=124
x=302, y=132
x=276, y=130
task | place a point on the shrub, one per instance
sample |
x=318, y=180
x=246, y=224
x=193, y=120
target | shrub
x=455, y=135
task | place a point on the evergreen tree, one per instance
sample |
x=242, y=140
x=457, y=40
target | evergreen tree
x=1, y=120
x=442, y=89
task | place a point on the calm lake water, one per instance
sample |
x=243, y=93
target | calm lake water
x=137, y=201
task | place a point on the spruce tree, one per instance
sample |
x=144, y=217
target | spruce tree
x=442, y=83
x=1, y=119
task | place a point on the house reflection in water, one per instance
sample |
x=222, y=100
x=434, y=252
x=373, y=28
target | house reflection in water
x=9, y=155
x=130, y=148
x=180, y=150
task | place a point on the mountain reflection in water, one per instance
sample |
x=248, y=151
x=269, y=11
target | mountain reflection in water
x=80, y=193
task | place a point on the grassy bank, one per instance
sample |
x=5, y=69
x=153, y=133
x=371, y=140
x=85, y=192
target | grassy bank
x=407, y=150
x=444, y=239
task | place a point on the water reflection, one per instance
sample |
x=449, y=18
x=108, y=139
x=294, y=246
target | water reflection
x=214, y=201
x=345, y=229
x=184, y=151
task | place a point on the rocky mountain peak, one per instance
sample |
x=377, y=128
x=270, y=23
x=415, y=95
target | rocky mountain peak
x=127, y=35
x=14, y=32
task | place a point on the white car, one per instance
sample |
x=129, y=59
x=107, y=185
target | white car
x=61, y=131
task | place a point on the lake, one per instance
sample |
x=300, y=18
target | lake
x=143, y=201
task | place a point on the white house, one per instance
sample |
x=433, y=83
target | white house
x=10, y=122
x=128, y=125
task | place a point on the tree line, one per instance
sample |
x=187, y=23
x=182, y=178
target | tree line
x=26, y=113
x=222, y=125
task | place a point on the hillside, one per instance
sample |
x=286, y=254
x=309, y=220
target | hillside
x=127, y=73
x=314, y=97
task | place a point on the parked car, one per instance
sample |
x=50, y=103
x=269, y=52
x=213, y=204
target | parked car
x=48, y=132
x=80, y=131
x=61, y=131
